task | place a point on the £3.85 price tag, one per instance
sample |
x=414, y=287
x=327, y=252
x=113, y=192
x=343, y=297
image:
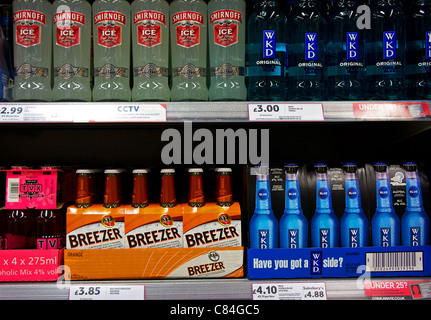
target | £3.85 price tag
x=285, y=112
x=289, y=291
x=94, y=292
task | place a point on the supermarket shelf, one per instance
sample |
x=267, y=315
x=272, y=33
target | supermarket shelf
x=210, y=289
x=212, y=111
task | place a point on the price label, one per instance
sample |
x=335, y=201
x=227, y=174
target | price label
x=11, y=113
x=285, y=112
x=87, y=292
x=289, y=291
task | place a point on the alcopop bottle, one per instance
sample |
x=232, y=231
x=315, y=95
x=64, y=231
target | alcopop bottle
x=385, y=51
x=266, y=52
x=140, y=188
x=20, y=233
x=71, y=48
x=263, y=223
x=150, y=42
x=111, y=46
x=345, y=53
x=306, y=52
x=226, y=36
x=224, y=187
x=196, y=188
x=293, y=224
x=167, y=191
x=418, y=50
x=112, y=196
x=385, y=224
x=354, y=223
x=324, y=223
x=189, y=50
x=50, y=233
x=415, y=223
x=32, y=50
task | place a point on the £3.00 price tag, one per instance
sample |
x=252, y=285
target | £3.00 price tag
x=289, y=291
x=285, y=112
x=94, y=292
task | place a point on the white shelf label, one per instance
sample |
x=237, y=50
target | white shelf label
x=289, y=291
x=94, y=292
x=285, y=112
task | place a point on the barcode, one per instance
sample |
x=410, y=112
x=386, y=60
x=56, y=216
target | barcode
x=13, y=190
x=394, y=261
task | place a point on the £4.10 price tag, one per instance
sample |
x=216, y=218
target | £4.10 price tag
x=289, y=291
x=94, y=292
x=285, y=112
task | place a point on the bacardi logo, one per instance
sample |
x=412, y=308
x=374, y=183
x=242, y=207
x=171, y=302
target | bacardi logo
x=109, y=28
x=187, y=28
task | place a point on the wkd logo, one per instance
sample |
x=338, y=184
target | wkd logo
x=415, y=235
x=325, y=235
x=263, y=239
x=310, y=46
x=353, y=237
x=385, y=237
x=389, y=45
x=352, y=45
x=269, y=44
x=293, y=238
x=316, y=262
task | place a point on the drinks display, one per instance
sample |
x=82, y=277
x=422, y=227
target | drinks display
x=385, y=224
x=324, y=224
x=226, y=36
x=385, y=51
x=263, y=223
x=293, y=224
x=345, y=55
x=32, y=50
x=150, y=42
x=306, y=52
x=266, y=52
x=71, y=50
x=111, y=45
x=415, y=223
x=353, y=223
x=188, y=26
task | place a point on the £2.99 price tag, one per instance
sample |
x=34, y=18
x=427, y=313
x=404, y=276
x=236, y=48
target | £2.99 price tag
x=289, y=291
x=285, y=112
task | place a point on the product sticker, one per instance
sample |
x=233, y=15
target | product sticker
x=149, y=26
x=68, y=28
x=28, y=24
x=405, y=110
x=397, y=290
x=109, y=28
x=187, y=28
x=289, y=291
x=92, y=292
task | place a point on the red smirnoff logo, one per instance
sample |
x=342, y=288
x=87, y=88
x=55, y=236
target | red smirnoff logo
x=226, y=15
x=225, y=26
x=149, y=27
x=27, y=30
x=109, y=28
x=110, y=16
x=29, y=15
x=189, y=16
x=153, y=16
x=67, y=28
x=188, y=28
x=67, y=17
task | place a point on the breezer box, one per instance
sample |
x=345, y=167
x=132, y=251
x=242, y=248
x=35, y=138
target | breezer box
x=154, y=263
x=339, y=262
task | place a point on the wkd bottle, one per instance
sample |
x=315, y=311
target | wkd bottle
x=189, y=50
x=385, y=224
x=150, y=42
x=111, y=46
x=293, y=224
x=32, y=50
x=385, y=51
x=71, y=47
x=418, y=51
x=354, y=223
x=306, y=52
x=263, y=223
x=324, y=223
x=226, y=36
x=415, y=223
x=266, y=52
x=345, y=55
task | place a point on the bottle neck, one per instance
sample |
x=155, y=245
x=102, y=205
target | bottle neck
x=292, y=196
x=385, y=3
x=140, y=192
x=383, y=192
x=84, y=197
x=304, y=4
x=167, y=194
x=263, y=195
x=196, y=191
x=112, y=191
x=353, y=196
x=346, y=4
x=323, y=193
x=224, y=190
x=414, y=192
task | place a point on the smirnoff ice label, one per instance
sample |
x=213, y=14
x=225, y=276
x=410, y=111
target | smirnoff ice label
x=28, y=25
x=109, y=28
x=68, y=28
x=187, y=28
x=149, y=24
x=225, y=26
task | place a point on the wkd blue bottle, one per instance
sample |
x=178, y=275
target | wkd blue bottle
x=306, y=52
x=385, y=51
x=385, y=224
x=415, y=223
x=324, y=223
x=293, y=224
x=354, y=223
x=266, y=52
x=263, y=223
x=418, y=56
x=345, y=52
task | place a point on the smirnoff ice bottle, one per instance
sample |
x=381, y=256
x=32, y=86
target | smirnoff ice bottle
x=150, y=42
x=189, y=50
x=226, y=34
x=71, y=44
x=111, y=45
x=32, y=50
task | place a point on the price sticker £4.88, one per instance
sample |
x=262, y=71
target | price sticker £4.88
x=289, y=291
